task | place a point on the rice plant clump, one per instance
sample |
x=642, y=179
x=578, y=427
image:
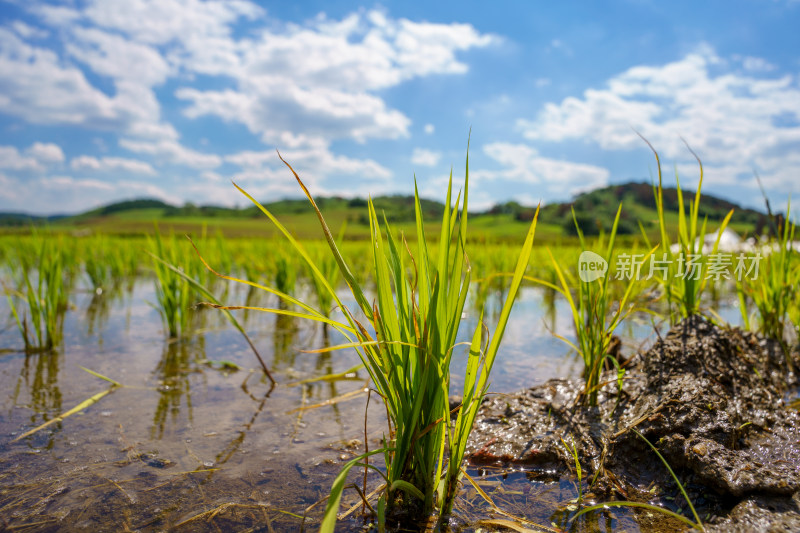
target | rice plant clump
x=406, y=347
x=596, y=314
x=688, y=263
x=774, y=290
x=173, y=291
x=39, y=306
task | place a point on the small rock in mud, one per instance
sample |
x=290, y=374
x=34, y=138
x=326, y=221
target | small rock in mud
x=760, y=513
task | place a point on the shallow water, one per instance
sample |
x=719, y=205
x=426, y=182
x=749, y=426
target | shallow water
x=190, y=444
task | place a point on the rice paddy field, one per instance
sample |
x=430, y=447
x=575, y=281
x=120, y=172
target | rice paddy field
x=132, y=402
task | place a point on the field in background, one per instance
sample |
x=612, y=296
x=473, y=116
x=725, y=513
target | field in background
x=502, y=223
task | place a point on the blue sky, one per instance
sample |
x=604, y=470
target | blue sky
x=108, y=100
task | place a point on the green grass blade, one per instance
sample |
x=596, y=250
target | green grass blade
x=648, y=506
x=346, y=272
x=677, y=481
x=332, y=508
x=101, y=376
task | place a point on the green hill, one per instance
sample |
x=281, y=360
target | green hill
x=594, y=210
x=597, y=208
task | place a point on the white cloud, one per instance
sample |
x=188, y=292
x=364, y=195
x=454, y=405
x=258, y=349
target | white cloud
x=429, y=129
x=251, y=158
x=320, y=79
x=276, y=106
x=164, y=21
x=224, y=193
x=41, y=87
x=301, y=87
x=68, y=194
x=312, y=156
x=109, y=164
x=36, y=157
x=728, y=118
x=756, y=64
x=47, y=153
x=26, y=31
x=68, y=182
x=210, y=175
x=36, y=86
x=523, y=164
x=11, y=159
x=153, y=131
x=114, y=56
x=427, y=158
x=10, y=192
x=55, y=15
x=172, y=152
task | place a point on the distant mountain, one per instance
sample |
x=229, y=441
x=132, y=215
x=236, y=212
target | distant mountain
x=24, y=219
x=128, y=205
x=594, y=210
x=397, y=208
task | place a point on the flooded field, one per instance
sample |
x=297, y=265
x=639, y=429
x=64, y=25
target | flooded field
x=196, y=437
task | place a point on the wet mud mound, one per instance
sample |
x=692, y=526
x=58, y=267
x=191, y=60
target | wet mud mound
x=712, y=401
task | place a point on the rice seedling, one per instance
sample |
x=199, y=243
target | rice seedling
x=224, y=259
x=414, y=319
x=596, y=314
x=173, y=291
x=572, y=449
x=126, y=262
x=44, y=297
x=685, y=276
x=285, y=274
x=97, y=266
x=774, y=291
x=330, y=271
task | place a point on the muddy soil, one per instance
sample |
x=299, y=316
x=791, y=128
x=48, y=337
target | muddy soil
x=711, y=399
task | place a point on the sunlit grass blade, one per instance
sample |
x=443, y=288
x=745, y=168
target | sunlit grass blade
x=85, y=404
x=345, y=374
x=330, y=401
x=101, y=376
x=648, y=506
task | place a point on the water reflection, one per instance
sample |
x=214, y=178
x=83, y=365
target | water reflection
x=178, y=361
x=101, y=304
x=283, y=337
x=236, y=443
x=589, y=522
x=324, y=367
x=39, y=379
x=97, y=312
